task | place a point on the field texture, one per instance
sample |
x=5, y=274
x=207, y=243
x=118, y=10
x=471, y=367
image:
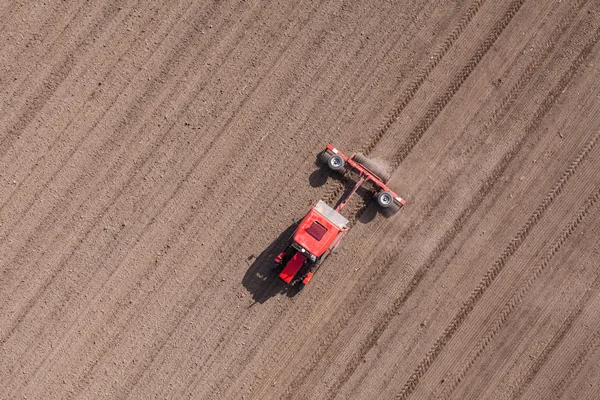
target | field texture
x=154, y=155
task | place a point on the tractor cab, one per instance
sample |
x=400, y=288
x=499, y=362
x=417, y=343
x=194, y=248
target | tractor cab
x=321, y=229
x=317, y=235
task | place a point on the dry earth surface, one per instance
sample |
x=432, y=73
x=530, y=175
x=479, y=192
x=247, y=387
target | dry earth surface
x=154, y=154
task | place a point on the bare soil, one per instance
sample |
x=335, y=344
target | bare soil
x=155, y=155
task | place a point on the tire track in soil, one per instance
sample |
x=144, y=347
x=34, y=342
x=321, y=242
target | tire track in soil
x=523, y=382
x=414, y=87
x=456, y=84
x=449, y=235
x=521, y=235
x=51, y=83
x=156, y=146
x=558, y=389
x=358, y=208
x=337, y=189
x=438, y=106
x=542, y=53
x=523, y=290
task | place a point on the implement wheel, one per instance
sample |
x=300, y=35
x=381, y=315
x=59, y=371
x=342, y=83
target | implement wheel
x=391, y=210
x=387, y=205
x=372, y=166
x=333, y=161
x=385, y=199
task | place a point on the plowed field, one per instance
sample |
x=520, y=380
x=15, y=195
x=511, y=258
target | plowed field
x=154, y=156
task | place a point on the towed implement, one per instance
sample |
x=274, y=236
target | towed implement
x=322, y=229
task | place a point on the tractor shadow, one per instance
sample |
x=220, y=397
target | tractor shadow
x=261, y=279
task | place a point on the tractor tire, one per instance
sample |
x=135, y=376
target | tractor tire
x=333, y=161
x=385, y=199
x=373, y=167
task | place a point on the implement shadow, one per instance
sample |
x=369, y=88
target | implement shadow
x=262, y=279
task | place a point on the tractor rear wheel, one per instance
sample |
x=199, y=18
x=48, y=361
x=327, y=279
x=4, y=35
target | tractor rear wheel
x=372, y=166
x=333, y=161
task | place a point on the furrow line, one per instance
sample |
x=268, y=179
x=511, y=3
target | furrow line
x=518, y=296
x=559, y=388
x=51, y=22
x=152, y=91
x=411, y=91
x=52, y=82
x=388, y=259
x=32, y=301
x=194, y=300
x=523, y=382
x=518, y=239
x=69, y=124
x=456, y=84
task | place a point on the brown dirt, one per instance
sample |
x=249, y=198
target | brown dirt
x=154, y=156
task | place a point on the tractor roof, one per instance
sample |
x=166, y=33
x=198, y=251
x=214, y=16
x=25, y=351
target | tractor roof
x=319, y=228
x=333, y=216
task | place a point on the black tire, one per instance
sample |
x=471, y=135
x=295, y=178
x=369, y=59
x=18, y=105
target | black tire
x=385, y=199
x=391, y=210
x=373, y=167
x=333, y=161
x=324, y=157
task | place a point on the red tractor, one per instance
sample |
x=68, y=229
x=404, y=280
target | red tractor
x=322, y=229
